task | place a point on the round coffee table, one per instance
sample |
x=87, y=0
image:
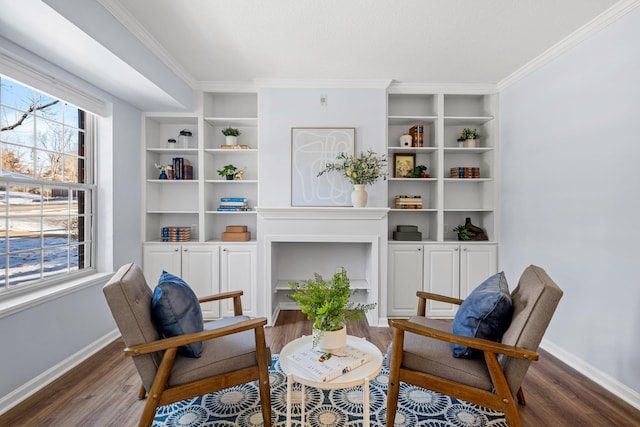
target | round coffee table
x=361, y=375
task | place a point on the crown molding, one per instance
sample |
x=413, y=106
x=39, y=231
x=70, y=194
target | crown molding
x=603, y=20
x=449, y=88
x=115, y=8
x=324, y=83
x=226, y=86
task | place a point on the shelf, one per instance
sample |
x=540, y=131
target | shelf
x=412, y=210
x=411, y=120
x=232, y=121
x=468, y=210
x=414, y=149
x=231, y=182
x=231, y=150
x=160, y=150
x=170, y=212
x=231, y=212
x=413, y=179
x=464, y=150
x=468, y=179
x=354, y=284
x=173, y=181
x=479, y=120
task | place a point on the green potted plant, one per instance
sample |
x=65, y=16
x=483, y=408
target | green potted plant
x=463, y=232
x=231, y=135
x=419, y=171
x=362, y=170
x=327, y=304
x=228, y=171
x=469, y=137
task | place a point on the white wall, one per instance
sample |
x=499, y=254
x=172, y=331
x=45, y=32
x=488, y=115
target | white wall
x=281, y=109
x=569, y=194
x=38, y=338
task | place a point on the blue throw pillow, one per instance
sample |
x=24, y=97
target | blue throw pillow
x=176, y=311
x=485, y=313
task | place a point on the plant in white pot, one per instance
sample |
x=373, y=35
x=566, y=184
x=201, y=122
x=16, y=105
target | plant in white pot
x=327, y=304
x=231, y=135
x=469, y=138
x=360, y=171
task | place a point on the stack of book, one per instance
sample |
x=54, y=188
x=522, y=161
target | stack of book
x=408, y=202
x=176, y=234
x=465, y=172
x=323, y=367
x=180, y=169
x=234, y=147
x=233, y=204
x=236, y=233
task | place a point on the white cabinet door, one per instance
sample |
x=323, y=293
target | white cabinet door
x=442, y=276
x=405, y=278
x=238, y=273
x=159, y=257
x=200, y=268
x=477, y=263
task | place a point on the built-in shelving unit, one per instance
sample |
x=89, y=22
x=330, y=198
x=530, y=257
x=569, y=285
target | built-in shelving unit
x=446, y=201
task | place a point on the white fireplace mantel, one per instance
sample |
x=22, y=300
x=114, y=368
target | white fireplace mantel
x=322, y=213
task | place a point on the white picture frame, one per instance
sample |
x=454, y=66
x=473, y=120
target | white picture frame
x=311, y=150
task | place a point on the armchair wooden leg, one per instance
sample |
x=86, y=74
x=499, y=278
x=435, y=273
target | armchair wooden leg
x=263, y=369
x=502, y=390
x=159, y=384
x=520, y=395
x=394, y=375
x=142, y=393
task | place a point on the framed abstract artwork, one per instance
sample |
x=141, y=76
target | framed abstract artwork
x=311, y=150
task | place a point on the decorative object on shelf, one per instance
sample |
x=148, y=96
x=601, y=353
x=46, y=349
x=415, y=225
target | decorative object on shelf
x=327, y=304
x=408, y=202
x=469, y=138
x=235, y=147
x=417, y=132
x=172, y=143
x=420, y=171
x=464, y=172
x=360, y=171
x=311, y=149
x=469, y=231
x=228, y=171
x=404, y=163
x=231, y=135
x=407, y=233
x=406, y=140
x=184, y=138
x=181, y=169
x=236, y=233
x=163, y=171
x=239, y=174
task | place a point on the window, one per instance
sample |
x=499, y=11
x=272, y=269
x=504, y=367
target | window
x=46, y=188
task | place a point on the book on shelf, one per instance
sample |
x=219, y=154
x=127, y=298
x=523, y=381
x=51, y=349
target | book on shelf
x=234, y=147
x=408, y=205
x=233, y=199
x=323, y=367
x=233, y=208
x=233, y=203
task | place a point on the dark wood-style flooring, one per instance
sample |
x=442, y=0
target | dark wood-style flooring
x=102, y=391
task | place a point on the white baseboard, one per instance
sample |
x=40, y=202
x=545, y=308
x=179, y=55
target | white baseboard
x=625, y=393
x=41, y=381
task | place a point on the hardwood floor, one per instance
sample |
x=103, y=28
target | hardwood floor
x=103, y=390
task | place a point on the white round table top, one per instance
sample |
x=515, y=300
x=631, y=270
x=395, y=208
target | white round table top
x=350, y=379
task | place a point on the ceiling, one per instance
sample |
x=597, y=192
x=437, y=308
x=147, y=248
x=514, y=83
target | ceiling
x=154, y=53
x=434, y=41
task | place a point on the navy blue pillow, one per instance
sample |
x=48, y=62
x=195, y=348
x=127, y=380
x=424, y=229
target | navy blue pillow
x=176, y=311
x=485, y=313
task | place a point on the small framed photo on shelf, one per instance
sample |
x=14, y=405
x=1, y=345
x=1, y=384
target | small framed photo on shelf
x=403, y=164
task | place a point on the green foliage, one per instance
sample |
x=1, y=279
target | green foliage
x=463, y=232
x=365, y=169
x=468, y=133
x=417, y=171
x=230, y=132
x=227, y=170
x=327, y=302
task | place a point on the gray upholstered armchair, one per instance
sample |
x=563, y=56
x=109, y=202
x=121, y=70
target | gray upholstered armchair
x=421, y=353
x=234, y=350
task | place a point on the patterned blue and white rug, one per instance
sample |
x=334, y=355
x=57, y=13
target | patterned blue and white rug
x=240, y=406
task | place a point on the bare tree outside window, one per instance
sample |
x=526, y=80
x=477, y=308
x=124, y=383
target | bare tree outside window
x=44, y=195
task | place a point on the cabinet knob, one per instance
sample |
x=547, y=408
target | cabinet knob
x=186, y=250
x=465, y=249
x=419, y=249
x=456, y=249
x=176, y=250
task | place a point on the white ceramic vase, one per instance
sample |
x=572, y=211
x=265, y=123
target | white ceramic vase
x=331, y=340
x=359, y=196
x=231, y=140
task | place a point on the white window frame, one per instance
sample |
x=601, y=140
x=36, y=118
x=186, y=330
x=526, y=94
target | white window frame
x=24, y=296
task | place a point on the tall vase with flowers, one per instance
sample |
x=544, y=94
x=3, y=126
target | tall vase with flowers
x=360, y=170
